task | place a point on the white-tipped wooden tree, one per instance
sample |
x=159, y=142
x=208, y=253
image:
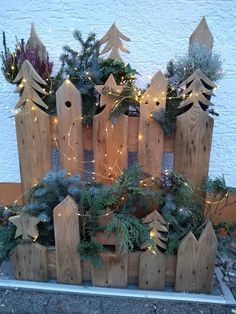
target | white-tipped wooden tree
x=28, y=85
x=113, y=43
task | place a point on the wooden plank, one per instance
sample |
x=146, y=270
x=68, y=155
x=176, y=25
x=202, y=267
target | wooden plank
x=109, y=140
x=33, y=135
x=205, y=263
x=186, y=264
x=10, y=192
x=171, y=262
x=133, y=130
x=133, y=267
x=113, y=273
x=194, y=130
x=67, y=238
x=30, y=262
x=152, y=271
x=151, y=134
x=70, y=138
x=202, y=36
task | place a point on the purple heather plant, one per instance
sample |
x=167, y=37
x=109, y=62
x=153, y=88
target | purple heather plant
x=12, y=61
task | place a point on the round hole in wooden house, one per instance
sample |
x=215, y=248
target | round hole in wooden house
x=157, y=103
x=68, y=104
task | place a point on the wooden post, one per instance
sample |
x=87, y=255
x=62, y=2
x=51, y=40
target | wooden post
x=30, y=262
x=194, y=130
x=110, y=141
x=202, y=36
x=67, y=238
x=34, y=144
x=151, y=135
x=35, y=43
x=70, y=138
x=196, y=262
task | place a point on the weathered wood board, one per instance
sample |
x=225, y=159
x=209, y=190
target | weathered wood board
x=152, y=270
x=202, y=36
x=36, y=44
x=186, y=264
x=67, y=238
x=30, y=262
x=109, y=139
x=196, y=275
x=205, y=264
x=34, y=144
x=151, y=134
x=70, y=138
x=113, y=272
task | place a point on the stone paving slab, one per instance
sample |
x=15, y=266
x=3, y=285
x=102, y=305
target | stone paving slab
x=26, y=302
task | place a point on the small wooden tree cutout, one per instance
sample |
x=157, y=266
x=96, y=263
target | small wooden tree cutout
x=113, y=43
x=202, y=36
x=158, y=229
x=29, y=85
x=196, y=90
x=26, y=226
x=35, y=43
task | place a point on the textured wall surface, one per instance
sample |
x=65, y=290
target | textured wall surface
x=159, y=31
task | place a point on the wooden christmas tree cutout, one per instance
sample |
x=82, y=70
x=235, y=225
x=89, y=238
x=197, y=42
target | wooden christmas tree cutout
x=202, y=36
x=113, y=43
x=35, y=43
x=29, y=86
x=196, y=88
x=158, y=227
x=26, y=226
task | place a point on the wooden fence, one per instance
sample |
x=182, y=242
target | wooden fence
x=147, y=269
x=110, y=143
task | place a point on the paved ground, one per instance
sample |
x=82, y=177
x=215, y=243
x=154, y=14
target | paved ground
x=25, y=302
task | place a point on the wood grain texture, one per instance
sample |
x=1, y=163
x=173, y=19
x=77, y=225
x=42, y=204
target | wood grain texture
x=28, y=86
x=30, y=262
x=9, y=192
x=34, y=144
x=186, y=264
x=70, y=138
x=194, y=130
x=151, y=134
x=205, y=264
x=34, y=43
x=196, y=275
x=202, y=36
x=67, y=238
x=26, y=226
x=152, y=270
x=113, y=43
x=113, y=273
x=109, y=140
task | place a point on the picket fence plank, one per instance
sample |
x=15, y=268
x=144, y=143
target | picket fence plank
x=30, y=262
x=151, y=134
x=67, y=238
x=152, y=270
x=110, y=139
x=70, y=137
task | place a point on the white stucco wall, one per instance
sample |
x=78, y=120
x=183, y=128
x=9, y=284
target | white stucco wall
x=159, y=30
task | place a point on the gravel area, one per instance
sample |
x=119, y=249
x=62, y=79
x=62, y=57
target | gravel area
x=26, y=302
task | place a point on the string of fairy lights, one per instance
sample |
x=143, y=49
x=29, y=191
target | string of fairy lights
x=114, y=94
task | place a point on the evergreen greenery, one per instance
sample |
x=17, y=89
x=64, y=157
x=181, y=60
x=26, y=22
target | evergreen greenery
x=90, y=251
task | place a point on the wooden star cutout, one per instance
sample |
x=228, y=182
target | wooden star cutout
x=26, y=226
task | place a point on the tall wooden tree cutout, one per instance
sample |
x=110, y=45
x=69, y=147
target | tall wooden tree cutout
x=194, y=129
x=29, y=84
x=35, y=43
x=202, y=36
x=113, y=43
x=32, y=127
